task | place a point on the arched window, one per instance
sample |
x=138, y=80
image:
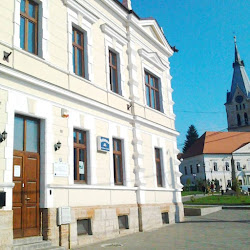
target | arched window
x=236, y=107
x=244, y=106
x=238, y=120
x=246, y=118
x=240, y=106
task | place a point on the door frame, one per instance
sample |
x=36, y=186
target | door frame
x=25, y=232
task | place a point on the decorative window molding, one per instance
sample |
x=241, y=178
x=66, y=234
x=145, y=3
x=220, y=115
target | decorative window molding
x=80, y=156
x=85, y=123
x=161, y=94
x=82, y=20
x=159, y=143
x=43, y=34
x=158, y=164
x=123, y=137
x=154, y=59
x=114, y=42
x=118, y=161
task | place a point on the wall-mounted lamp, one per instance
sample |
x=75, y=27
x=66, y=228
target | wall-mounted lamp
x=129, y=106
x=6, y=56
x=3, y=136
x=58, y=145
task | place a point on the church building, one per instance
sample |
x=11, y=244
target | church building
x=238, y=99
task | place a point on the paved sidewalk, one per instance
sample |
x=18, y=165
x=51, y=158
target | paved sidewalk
x=227, y=229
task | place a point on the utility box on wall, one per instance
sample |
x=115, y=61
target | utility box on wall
x=2, y=199
x=63, y=215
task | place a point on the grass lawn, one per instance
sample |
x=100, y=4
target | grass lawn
x=221, y=200
x=185, y=193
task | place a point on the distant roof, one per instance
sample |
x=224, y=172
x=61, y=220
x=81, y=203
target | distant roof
x=218, y=143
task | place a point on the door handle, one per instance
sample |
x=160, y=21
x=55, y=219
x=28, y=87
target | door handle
x=27, y=198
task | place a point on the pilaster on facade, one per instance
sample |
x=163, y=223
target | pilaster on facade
x=138, y=156
x=132, y=67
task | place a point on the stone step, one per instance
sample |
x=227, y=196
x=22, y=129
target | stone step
x=27, y=240
x=54, y=248
x=36, y=245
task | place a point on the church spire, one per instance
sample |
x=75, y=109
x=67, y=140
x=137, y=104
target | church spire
x=240, y=79
x=237, y=59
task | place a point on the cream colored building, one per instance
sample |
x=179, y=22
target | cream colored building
x=86, y=101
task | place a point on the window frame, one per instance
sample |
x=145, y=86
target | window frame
x=116, y=68
x=88, y=231
x=215, y=166
x=78, y=146
x=185, y=170
x=197, y=169
x=75, y=47
x=238, y=166
x=115, y=165
x=191, y=169
x=158, y=163
x=28, y=19
x=157, y=91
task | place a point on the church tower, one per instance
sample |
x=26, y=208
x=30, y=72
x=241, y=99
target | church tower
x=238, y=99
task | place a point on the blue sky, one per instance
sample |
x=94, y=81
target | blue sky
x=202, y=71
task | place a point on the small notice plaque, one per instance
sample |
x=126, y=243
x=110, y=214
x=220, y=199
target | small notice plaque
x=61, y=169
x=17, y=171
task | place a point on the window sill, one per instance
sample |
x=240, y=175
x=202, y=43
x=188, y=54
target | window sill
x=94, y=187
x=27, y=53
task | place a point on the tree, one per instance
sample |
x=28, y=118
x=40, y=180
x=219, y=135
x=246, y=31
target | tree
x=191, y=137
x=188, y=183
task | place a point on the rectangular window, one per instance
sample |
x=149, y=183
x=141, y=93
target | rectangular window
x=227, y=166
x=123, y=222
x=185, y=168
x=158, y=167
x=191, y=169
x=113, y=72
x=84, y=227
x=80, y=156
x=78, y=52
x=197, y=168
x=152, y=91
x=238, y=166
x=165, y=218
x=215, y=166
x=29, y=26
x=117, y=161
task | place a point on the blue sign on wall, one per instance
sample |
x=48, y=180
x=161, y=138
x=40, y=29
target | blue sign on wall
x=103, y=144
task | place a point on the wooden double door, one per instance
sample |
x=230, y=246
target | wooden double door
x=26, y=176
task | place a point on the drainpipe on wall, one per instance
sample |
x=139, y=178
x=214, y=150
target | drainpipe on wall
x=127, y=4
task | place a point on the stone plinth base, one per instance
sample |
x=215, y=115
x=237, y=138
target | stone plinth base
x=6, y=229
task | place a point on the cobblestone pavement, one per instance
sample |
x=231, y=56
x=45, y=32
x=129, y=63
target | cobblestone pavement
x=227, y=229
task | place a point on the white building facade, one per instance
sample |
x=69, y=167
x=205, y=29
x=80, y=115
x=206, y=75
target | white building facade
x=214, y=156
x=86, y=102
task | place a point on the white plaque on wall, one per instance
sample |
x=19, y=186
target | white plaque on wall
x=61, y=169
x=17, y=171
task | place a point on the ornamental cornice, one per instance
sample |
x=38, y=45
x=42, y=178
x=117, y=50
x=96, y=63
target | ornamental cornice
x=153, y=58
x=92, y=18
x=114, y=34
